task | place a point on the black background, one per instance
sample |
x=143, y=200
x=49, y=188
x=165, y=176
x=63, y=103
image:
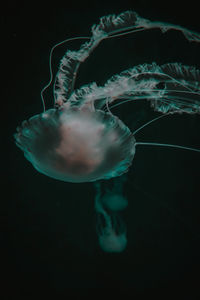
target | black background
x=49, y=238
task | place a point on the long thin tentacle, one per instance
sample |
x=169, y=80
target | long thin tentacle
x=166, y=145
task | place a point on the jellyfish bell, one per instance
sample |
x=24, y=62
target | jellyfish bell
x=112, y=242
x=77, y=144
x=114, y=202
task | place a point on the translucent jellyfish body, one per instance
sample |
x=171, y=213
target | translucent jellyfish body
x=80, y=140
x=77, y=145
x=111, y=241
x=111, y=229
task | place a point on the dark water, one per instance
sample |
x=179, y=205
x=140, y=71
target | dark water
x=49, y=239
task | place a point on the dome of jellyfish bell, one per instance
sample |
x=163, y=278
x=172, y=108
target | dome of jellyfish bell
x=77, y=145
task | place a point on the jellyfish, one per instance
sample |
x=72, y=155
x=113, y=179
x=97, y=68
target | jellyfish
x=111, y=229
x=81, y=140
x=113, y=197
x=111, y=235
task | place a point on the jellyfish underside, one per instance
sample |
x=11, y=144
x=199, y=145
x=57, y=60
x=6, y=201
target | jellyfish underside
x=80, y=140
